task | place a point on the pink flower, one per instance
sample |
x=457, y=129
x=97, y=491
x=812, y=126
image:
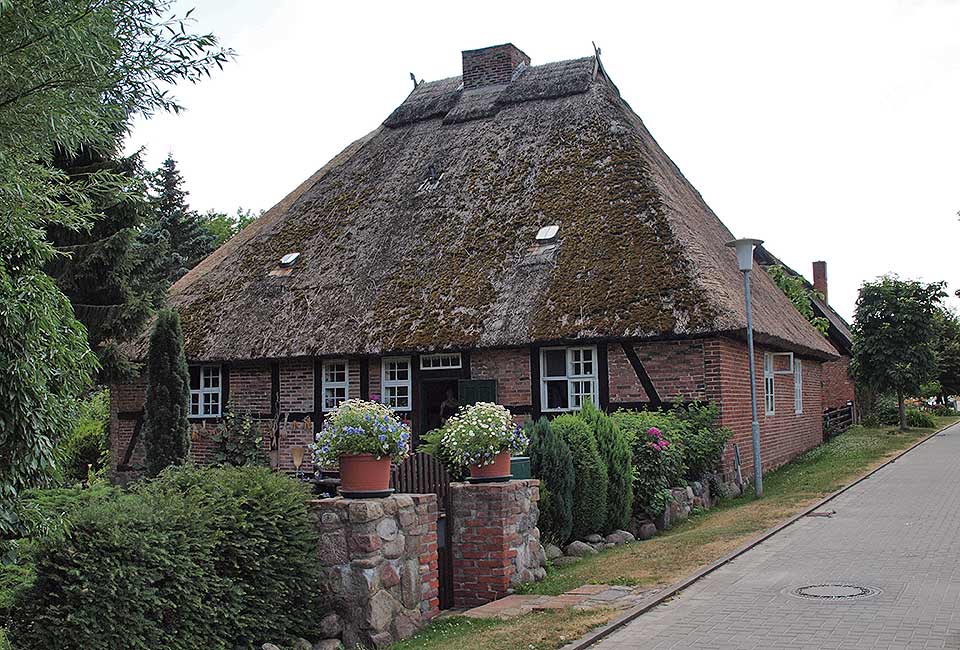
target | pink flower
x=655, y=432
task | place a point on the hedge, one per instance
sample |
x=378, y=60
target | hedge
x=615, y=451
x=590, y=495
x=198, y=558
x=552, y=462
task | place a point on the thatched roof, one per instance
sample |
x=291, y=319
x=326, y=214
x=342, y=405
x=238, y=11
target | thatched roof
x=421, y=236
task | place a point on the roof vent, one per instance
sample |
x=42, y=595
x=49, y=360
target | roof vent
x=287, y=260
x=547, y=233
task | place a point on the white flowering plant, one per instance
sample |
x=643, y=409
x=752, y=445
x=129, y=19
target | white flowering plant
x=477, y=433
x=361, y=427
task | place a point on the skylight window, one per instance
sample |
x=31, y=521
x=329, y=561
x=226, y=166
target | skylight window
x=547, y=233
x=287, y=260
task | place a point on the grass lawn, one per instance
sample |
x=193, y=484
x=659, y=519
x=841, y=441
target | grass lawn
x=696, y=542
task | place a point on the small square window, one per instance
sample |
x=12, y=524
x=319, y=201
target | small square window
x=336, y=383
x=205, y=391
x=396, y=383
x=568, y=378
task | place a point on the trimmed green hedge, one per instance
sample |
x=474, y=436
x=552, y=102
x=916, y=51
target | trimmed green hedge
x=590, y=495
x=552, y=462
x=198, y=558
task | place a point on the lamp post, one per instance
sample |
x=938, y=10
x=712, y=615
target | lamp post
x=744, y=248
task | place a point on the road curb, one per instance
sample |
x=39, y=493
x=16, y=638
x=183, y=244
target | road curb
x=646, y=605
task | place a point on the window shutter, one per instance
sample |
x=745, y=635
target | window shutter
x=477, y=390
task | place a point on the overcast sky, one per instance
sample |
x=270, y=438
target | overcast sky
x=830, y=129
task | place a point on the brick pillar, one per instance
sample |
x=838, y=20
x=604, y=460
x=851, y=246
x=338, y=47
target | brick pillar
x=379, y=559
x=494, y=539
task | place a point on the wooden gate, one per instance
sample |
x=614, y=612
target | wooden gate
x=421, y=473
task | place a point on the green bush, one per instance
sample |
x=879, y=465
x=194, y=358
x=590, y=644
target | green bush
x=238, y=441
x=167, y=406
x=615, y=451
x=552, y=462
x=920, y=420
x=199, y=558
x=86, y=447
x=943, y=410
x=702, y=440
x=655, y=470
x=590, y=495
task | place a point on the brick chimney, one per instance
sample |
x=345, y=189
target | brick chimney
x=491, y=65
x=820, y=278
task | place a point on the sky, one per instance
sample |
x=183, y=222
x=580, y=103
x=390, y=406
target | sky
x=829, y=129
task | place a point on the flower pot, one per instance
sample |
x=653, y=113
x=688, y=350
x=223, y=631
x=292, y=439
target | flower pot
x=498, y=470
x=364, y=476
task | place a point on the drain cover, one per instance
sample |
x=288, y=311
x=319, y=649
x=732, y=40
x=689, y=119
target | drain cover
x=833, y=591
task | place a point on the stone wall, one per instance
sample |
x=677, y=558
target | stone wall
x=379, y=560
x=495, y=540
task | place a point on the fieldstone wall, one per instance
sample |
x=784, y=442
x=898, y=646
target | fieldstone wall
x=494, y=539
x=379, y=558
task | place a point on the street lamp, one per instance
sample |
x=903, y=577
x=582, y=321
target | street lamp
x=744, y=248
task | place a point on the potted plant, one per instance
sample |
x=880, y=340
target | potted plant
x=362, y=438
x=482, y=437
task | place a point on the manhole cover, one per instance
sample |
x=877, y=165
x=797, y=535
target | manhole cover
x=833, y=591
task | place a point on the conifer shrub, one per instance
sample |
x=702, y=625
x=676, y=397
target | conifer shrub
x=552, y=463
x=590, y=492
x=615, y=451
x=217, y=558
x=167, y=429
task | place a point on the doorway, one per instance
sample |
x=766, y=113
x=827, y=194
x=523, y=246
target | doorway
x=439, y=399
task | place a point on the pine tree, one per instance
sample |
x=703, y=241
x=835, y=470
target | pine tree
x=552, y=462
x=100, y=273
x=175, y=227
x=615, y=451
x=167, y=430
x=590, y=493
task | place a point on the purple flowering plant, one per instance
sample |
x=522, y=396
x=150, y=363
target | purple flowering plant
x=477, y=433
x=361, y=427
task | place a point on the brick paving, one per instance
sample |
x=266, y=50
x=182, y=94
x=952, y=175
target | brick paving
x=898, y=531
x=584, y=597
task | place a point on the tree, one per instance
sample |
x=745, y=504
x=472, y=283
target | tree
x=552, y=462
x=100, y=273
x=166, y=427
x=72, y=73
x=947, y=350
x=590, y=493
x=794, y=287
x=893, y=336
x=615, y=451
x=221, y=226
x=186, y=239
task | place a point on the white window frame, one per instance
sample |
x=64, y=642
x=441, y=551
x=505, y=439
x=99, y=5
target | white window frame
x=198, y=410
x=334, y=385
x=441, y=361
x=769, y=385
x=574, y=379
x=386, y=383
x=798, y=387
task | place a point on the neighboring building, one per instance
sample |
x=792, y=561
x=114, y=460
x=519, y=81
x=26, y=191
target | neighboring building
x=515, y=234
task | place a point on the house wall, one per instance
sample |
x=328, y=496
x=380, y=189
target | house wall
x=676, y=369
x=511, y=369
x=838, y=387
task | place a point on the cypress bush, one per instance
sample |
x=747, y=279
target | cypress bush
x=590, y=493
x=615, y=451
x=218, y=558
x=167, y=430
x=552, y=463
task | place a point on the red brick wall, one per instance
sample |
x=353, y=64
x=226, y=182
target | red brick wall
x=250, y=388
x=676, y=369
x=296, y=386
x=838, y=387
x=376, y=394
x=511, y=369
x=624, y=385
x=126, y=398
x=783, y=435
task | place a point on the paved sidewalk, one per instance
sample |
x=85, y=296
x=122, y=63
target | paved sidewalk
x=897, y=532
x=583, y=597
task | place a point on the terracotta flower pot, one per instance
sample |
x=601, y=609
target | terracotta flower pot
x=361, y=473
x=498, y=469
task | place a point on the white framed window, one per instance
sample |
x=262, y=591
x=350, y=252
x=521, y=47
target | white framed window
x=205, y=391
x=396, y=382
x=441, y=361
x=568, y=378
x=798, y=386
x=336, y=383
x=769, y=395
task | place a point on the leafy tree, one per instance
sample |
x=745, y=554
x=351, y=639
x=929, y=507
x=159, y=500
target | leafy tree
x=552, y=462
x=893, y=336
x=167, y=429
x=794, y=287
x=100, y=274
x=947, y=350
x=590, y=493
x=72, y=73
x=222, y=226
x=615, y=451
x=186, y=239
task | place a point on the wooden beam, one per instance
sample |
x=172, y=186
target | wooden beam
x=642, y=375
